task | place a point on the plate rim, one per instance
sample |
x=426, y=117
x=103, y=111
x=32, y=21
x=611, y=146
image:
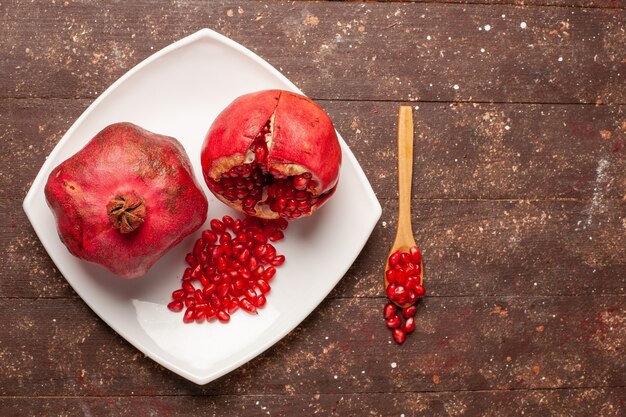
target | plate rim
x=30, y=197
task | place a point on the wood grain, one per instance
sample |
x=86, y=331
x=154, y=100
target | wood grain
x=332, y=49
x=536, y=403
x=56, y=347
x=519, y=183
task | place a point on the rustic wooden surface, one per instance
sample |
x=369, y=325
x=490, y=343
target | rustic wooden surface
x=519, y=204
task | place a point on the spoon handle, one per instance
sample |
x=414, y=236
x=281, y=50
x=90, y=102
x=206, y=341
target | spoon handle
x=405, y=172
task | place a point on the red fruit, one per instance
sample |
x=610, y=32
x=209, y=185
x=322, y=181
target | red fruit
x=272, y=154
x=419, y=291
x=260, y=301
x=179, y=295
x=125, y=199
x=223, y=316
x=408, y=312
x=278, y=260
x=189, y=314
x=247, y=305
x=416, y=255
x=409, y=325
x=276, y=236
x=264, y=287
x=394, y=322
x=399, y=335
x=175, y=306
x=389, y=311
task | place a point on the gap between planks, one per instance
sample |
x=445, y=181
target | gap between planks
x=373, y=100
x=2, y=397
x=371, y=297
x=476, y=3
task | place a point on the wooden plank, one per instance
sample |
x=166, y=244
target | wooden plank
x=476, y=150
x=462, y=151
x=501, y=247
x=58, y=347
x=471, y=248
x=536, y=403
x=333, y=50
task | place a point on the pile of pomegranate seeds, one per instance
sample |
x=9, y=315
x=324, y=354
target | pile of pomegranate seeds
x=394, y=316
x=231, y=266
x=403, y=278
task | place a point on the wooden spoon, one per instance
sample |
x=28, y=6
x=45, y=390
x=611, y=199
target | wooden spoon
x=404, y=235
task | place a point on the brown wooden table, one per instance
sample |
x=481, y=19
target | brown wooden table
x=519, y=189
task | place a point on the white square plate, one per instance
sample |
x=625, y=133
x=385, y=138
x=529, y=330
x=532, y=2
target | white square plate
x=178, y=92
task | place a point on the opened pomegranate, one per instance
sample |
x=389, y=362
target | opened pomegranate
x=272, y=154
x=126, y=198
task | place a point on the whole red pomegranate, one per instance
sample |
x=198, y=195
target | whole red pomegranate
x=272, y=154
x=126, y=198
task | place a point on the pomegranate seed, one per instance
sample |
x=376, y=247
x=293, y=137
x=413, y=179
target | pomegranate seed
x=411, y=296
x=282, y=223
x=198, y=296
x=217, y=226
x=187, y=274
x=209, y=237
x=394, y=322
x=260, y=238
x=191, y=260
x=199, y=315
x=244, y=256
x=264, y=287
x=260, y=301
x=198, y=247
x=269, y=274
x=189, y=301
x=204, y=281
x=399, y=336
x=389, y=310
x=189, y=315
x=175, y=306
x=419, y=291
x=234, y=306
x=391, y=275
x=276, y=236
x=222, y=289
x=209, y=289
x=400, y=294
x=179, y=294
x=210, y=312
x=409, y=325
x=250, y=293
x=228, y=221
x=416, y=255
x=223, y=316
x=247, y=306
x=197, y=272
x=409, y=312
x=391, y=291
x=278, y=260
x=253, y=264
x=188, y=287
x=393, y=259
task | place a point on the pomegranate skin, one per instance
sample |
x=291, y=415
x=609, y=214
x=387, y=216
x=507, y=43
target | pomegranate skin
x=125, y=199
x=302, y=140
